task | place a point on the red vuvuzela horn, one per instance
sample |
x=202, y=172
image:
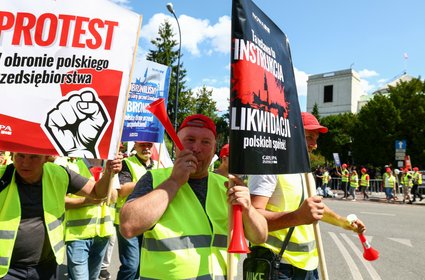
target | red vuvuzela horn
x=369, y=253
x=96, y=171
x=238, y=241
x=158, y=109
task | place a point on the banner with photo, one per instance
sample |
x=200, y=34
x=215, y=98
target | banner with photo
x=266, y=130
x=150, y=81
x=65, y=68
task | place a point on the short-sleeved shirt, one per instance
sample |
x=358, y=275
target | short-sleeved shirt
x=32, y=244
x=145, y=185
x=125, y=175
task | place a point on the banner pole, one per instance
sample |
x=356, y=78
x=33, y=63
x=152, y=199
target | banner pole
x=311, y=189
x=108, y=200
x=231, y=265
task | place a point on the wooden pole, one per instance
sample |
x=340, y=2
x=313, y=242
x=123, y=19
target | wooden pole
x=311, y=191
x=124, y=109
x=231, y=265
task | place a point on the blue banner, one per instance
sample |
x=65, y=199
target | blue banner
x=150, y=82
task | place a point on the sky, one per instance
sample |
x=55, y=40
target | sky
x=378, y=39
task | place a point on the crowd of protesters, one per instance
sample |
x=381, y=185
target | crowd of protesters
x=407, y=182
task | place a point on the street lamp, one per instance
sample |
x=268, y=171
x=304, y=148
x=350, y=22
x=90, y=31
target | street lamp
x=176, y=100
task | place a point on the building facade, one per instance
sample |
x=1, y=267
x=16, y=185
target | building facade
x=334, y=92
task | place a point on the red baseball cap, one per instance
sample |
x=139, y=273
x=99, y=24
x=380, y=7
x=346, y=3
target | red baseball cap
x=311, y=123
x=388, y=170
x=415, y=169
x=200, y=121
x=363, y=170
x=344, y=165
x=224, y=152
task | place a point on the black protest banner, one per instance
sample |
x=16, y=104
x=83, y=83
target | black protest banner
x=266, y=130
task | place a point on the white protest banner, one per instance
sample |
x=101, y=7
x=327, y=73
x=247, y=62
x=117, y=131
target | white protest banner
x=64, y=74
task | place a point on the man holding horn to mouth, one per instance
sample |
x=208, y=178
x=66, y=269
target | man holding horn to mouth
x=183, y=211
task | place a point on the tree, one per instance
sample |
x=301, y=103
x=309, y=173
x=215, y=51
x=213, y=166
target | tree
x=339, y=137
x=375, y=132
x=315, y=111
x=165, y=53
x=409, y=99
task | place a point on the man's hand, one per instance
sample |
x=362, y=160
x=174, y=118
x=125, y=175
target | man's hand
x=237, y=192
x=77, y=123
x=311, y=210
x=354, y=224
x=184, y=165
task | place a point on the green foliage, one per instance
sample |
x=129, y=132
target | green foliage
x=339, y=137
x=315, y=111
x=204, y=103
x=166, y=53
x=370, y=135
x=316, y=160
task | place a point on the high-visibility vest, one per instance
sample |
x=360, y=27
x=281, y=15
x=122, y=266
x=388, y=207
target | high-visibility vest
x=88, y=221
x=137, y=170
x=55, y=183
x=354, y=181
x=188, y=241
x=345, y=175
x=418, y=176
x=389, y=180
x=301, y=251
x=407, y=180
x=364, y=180
x=325, y=178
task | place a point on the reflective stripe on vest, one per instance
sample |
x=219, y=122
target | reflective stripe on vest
x=55, y=184
x=137, y=170
x=187, y=236
x=203, y=277
x=88, y=221
x=184, y=242
x=301, y=251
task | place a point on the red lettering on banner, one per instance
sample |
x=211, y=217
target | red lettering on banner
x=51, y=35
x=28, y=29
x=66, y=22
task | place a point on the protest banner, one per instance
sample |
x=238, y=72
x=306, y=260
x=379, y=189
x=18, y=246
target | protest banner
x=150, y=81
x=65, y=68
x=266, y=130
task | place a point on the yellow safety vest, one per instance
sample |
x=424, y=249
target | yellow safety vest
x=354, y=181
x=418, y=177
x=345, y=175
x=137, y=170
x=55, y=183
x=364, y=182
x=389, y=180
x=407, y=180
x=188, y=242
x=325, y=178
x=88, y=221
x=301, y=251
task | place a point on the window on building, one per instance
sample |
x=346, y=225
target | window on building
x=328, y=94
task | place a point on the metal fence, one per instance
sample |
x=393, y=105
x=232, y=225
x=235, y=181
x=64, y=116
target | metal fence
x=375, y=186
